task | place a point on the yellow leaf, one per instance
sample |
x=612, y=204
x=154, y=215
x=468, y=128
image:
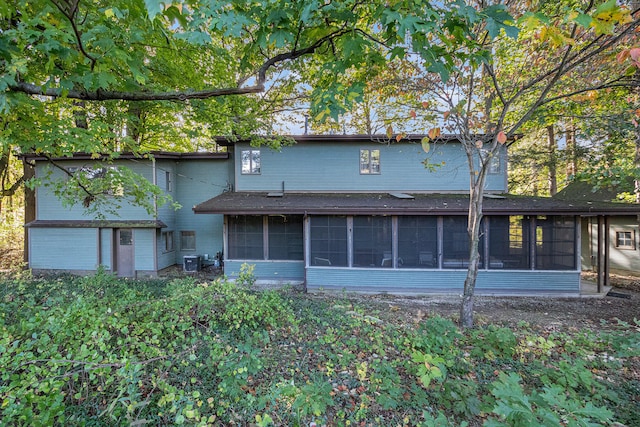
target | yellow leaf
x=426, y=146
x=399, y=137
x=109, y=13
x=389, y=131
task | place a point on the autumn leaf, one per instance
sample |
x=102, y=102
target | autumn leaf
x=425, y=104
x=399, y=137
x=413, y=114
x=479, y=144
x=501, y=137
x=434, y=133
x=426, y=144
x=446, y=114
x=389, y=131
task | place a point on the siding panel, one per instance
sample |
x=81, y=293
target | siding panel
x=335, y=167
x=63, y=249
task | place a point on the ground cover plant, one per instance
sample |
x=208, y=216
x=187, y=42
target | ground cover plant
x=104, y=351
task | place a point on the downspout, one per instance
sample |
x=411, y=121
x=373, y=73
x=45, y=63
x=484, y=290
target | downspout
x=155, y=182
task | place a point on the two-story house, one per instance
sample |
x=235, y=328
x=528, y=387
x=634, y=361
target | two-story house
x=331, y=212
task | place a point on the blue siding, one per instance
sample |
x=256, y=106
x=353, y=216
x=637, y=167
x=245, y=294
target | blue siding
x=442, y=281
x=50, y=207
x=165, y=259
x=197, y=181
x=269, y=271
x=144, y=242
x=335, y=167
x=106, y=245
x=63, y=248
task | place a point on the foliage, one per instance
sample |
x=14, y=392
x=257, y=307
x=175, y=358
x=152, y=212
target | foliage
x=105, y=351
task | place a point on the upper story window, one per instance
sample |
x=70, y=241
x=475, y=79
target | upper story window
x=494, y=166
x=625, y=239
x=106, y=180
x=370, y=162
x=168, y=181
x=251, y=162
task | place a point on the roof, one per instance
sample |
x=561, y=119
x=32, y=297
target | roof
x=583, y=191
x=254, y=203
x=415, y=138
x=155, y=154
x=43, y=223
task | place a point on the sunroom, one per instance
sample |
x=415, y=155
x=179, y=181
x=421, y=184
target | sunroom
x=400, y=243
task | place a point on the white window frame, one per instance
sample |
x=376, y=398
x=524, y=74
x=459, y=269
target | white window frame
x=168, y=181
x=369, y=167
x=251, y=167
x=625, y=243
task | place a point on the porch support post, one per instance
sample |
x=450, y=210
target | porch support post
x=600, y=253
x=607, y=279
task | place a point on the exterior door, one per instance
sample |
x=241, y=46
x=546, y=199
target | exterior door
x=125, y=261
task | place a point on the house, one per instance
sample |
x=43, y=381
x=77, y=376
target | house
x=330, y=212
x=133, y=242
x=622, y=230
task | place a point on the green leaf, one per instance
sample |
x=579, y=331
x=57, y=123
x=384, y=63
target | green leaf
x=154, y=8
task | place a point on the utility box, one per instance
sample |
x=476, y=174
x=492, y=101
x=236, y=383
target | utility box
x=191, y=263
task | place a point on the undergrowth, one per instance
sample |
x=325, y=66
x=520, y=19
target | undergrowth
x=106, y=351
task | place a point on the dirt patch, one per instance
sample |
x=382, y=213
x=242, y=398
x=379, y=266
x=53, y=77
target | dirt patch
x=540, y=312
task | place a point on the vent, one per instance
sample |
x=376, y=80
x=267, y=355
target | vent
x=494, y=196
x=401, y=196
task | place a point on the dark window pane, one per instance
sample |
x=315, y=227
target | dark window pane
x=188, y=240
x=372, y=241
x=126, y=237
x=455, y=244
x=417, y=242
x=509, y=245
x=555, y=243
x=329, y=241
x=285, y=237
x=245, y=237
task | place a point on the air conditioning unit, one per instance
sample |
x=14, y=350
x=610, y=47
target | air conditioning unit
x=191, y=263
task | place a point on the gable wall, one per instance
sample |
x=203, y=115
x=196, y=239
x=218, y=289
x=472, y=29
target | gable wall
x=335, y=167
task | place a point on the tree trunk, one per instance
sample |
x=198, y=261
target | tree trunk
x=572, y=151
x=636, y=163
x=553, y=176
x=475, y=218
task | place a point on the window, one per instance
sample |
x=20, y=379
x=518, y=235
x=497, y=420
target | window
x=168, y=181
x=509, y=239
x=329, y=241
x=494, y=166
x=246, y=237
x=188, y=240
x=625, y=239
x=370, y=162
x=285, y=237
x=251, y=162
x=417, y=242
x=372, y=241
x=167, y=239
x=555, y=243
x=105, y=180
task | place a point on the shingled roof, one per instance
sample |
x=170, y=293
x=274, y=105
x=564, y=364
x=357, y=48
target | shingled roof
x=260, y=203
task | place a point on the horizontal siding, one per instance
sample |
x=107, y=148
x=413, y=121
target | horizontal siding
x=144, y=241
x=335, y=167
x=195, y=182
x=442, y=281
x=63, y=249
x=48, y=206
x=269, y=271
x=106, y=245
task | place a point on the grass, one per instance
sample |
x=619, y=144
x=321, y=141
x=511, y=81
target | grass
x=103, y=351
